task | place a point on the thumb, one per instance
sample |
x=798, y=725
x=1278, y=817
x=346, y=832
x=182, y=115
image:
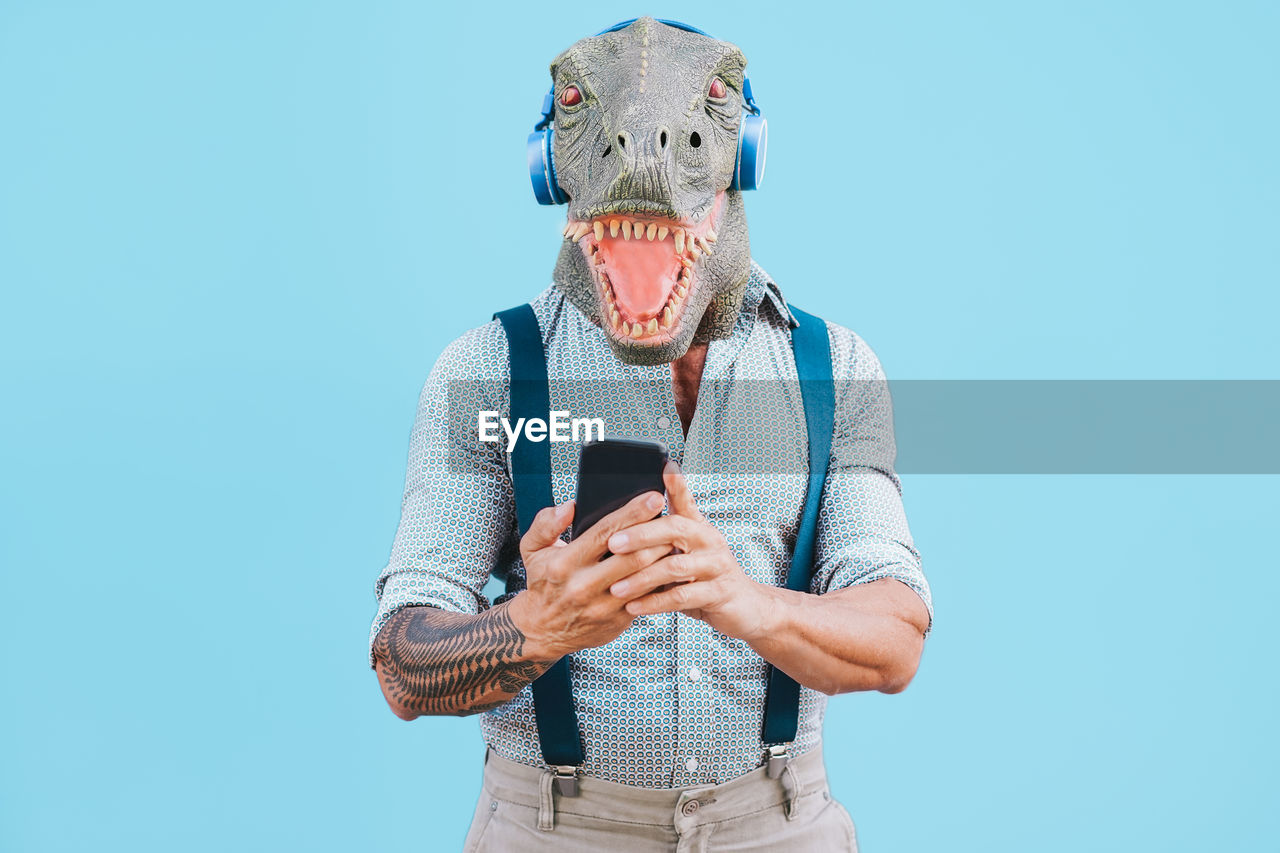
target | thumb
x=547, y=526
x=679, y=497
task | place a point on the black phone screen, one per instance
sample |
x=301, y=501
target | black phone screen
x=612, y=472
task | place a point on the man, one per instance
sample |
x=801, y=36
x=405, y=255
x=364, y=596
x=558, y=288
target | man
x=659, y=323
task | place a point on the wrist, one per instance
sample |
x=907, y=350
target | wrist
x=535, y=645
x=770, y=618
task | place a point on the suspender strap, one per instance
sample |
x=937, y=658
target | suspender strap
x=530, y=398
x=812, y=348
x=531, y=479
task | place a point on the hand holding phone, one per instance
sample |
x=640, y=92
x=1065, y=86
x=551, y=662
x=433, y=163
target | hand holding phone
x=567, y=605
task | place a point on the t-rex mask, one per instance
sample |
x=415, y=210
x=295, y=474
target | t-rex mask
x=656, y=249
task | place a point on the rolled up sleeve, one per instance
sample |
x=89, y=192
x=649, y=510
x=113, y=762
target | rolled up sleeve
x=863, y=534
x=458, y=511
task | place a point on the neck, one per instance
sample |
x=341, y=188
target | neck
x=686, y=377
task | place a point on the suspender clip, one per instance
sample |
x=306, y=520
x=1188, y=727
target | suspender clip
x=566, y=778
x=775, y=760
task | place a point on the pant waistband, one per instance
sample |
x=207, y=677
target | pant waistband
x=523, y=784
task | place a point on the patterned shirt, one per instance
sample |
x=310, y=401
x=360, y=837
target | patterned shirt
x=671, y=702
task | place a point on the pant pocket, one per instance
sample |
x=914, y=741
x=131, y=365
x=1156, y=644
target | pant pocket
x=485, y=809
x=847, y=819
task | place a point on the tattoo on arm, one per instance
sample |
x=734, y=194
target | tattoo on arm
x=431, y=661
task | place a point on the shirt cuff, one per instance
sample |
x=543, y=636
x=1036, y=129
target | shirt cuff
x=848, y=576
x=420, y=589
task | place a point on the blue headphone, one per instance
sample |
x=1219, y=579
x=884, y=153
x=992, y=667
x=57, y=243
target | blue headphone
x=753, y=136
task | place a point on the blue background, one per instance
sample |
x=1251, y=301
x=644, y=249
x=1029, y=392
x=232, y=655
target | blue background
x=234, y=236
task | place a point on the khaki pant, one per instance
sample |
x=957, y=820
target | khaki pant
x=520, y=811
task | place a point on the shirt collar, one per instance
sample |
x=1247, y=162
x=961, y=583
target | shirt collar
x=764, y=291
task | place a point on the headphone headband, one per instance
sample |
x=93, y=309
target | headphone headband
x=622, y=25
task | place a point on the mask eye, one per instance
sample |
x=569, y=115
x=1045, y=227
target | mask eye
x=718, y=90
x=570, y=96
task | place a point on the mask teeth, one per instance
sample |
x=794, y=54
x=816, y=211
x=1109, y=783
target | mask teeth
x=630, y=229
x=638, y=229
x=686, y=244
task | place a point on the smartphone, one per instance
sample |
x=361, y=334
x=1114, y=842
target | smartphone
x=613, y=471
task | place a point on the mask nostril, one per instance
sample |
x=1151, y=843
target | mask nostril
x=662, y=139
x=622, y=142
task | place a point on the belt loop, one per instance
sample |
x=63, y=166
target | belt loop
x=546, y=802
x=777, y=765
x=791, y=785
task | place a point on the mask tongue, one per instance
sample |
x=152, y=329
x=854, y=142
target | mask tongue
x=642, y=273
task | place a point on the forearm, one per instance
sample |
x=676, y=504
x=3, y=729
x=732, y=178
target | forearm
x=431, y=661
x=867, y=637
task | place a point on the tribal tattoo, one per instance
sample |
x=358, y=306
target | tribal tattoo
x=431, y=661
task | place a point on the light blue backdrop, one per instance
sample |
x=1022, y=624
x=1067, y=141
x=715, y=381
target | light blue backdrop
x=234, y=236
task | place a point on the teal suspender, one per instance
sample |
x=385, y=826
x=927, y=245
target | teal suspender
x=812, y=348
x=531, y=477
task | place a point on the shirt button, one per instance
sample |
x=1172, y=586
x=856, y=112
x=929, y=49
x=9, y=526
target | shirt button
x=691, y=764
x=664, y=422
x=690, y=808
x=694, y=673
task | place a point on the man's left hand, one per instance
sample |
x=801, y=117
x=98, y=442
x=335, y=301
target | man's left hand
x=702, y=579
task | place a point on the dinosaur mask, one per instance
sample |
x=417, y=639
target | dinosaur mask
x=646, y=136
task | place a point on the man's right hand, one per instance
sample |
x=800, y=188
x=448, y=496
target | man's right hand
x=567, y=605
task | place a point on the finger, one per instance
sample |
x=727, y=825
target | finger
x=686, y=596
x=594, y=543
x=672, y=529
x=678, y=494
x=547, y=526
x=676, y=568
x=618, y=566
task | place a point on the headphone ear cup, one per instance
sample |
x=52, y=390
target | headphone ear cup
x=542, y=170
x=753, y=139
